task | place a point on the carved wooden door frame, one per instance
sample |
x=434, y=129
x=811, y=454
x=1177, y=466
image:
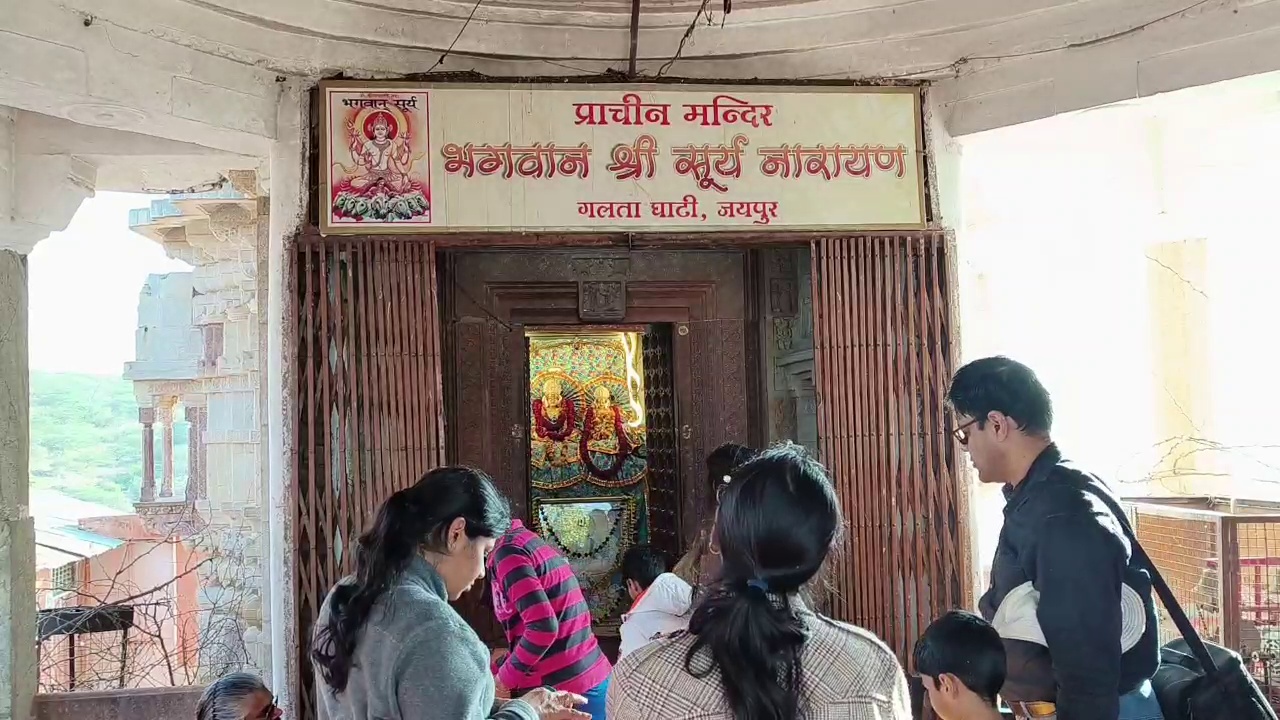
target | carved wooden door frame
x=491, y=298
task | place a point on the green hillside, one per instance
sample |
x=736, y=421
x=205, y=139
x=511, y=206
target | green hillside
x=86, y=440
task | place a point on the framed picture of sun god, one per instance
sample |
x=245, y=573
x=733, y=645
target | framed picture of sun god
x=375, y=159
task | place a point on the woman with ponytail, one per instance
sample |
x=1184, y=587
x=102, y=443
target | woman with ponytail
x=753, y=650
x=388, y=646
x=699, y=567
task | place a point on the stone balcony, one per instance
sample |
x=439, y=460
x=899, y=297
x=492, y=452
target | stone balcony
x=170, y=517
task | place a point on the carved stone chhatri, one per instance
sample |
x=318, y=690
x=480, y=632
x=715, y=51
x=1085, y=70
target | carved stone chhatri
x=602, y=301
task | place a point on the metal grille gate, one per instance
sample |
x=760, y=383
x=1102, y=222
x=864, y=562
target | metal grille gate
x=883, y=357
x=370, y=415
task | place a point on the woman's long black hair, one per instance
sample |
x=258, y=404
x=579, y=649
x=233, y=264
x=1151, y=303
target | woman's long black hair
x=778, y=520
x=410, y=521
x=720, y=463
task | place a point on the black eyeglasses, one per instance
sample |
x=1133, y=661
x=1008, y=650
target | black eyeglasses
x=962, y=433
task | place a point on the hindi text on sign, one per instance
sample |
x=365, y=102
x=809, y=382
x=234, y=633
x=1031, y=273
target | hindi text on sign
x=540, y=160
x=827, y=161
x=686, y=209
x=631, y=111
x=729, y=110
x=760, y=213
x=367, y=103
x=699, y=161
x=401, y=158
x=636, y=160
x=609, y=210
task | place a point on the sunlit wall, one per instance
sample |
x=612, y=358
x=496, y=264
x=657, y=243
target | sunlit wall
x=1164, y=376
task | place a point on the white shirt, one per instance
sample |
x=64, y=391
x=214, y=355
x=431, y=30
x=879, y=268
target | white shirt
x=663, y=609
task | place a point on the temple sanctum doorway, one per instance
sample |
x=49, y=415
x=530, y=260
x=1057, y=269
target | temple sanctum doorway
x=589, y=479
x=591, y=385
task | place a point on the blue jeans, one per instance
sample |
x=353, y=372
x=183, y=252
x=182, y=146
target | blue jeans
x=595, y=701
x=1140, y=704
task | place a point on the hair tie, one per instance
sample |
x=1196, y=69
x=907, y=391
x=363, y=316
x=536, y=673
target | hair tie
x=758, y=585
x=725, y=480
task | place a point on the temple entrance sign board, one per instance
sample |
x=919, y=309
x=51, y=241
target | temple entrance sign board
x=401, y=157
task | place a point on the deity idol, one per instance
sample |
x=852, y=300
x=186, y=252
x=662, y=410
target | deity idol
x=554, y=427
x=604, y=429
x=605, y=447
x=553, y=413
x=382, y=156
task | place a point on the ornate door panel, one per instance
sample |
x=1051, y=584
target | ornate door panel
x=369, y=407
x=883, y=356
x=663, y=456
x=716, y=349
x=487, y=428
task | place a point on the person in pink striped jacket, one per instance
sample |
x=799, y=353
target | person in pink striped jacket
x=547, y=622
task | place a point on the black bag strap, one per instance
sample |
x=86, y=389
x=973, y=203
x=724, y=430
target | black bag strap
x=1180, y=619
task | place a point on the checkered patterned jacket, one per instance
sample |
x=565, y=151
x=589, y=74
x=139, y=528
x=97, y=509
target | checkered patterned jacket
x=848, y=675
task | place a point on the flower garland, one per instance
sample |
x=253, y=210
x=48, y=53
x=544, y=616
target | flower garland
x=554, y=537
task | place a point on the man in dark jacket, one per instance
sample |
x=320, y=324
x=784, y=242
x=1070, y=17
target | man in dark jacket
x=1074, y=610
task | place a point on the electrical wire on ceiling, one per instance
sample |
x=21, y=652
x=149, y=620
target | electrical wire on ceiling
x=704, y=8
x=457, y=37
x=953, y=68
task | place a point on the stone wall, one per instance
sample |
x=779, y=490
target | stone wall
x=157, y=704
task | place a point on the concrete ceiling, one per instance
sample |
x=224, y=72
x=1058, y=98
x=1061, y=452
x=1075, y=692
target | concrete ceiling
x=209, y=71
x=126, y=161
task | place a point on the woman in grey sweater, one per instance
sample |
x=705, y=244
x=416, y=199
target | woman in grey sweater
x=388, y=646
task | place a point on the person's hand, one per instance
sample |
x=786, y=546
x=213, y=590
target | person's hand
x=553, y=705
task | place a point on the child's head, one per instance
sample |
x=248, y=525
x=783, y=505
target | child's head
x=960, y=659
x=641, y=565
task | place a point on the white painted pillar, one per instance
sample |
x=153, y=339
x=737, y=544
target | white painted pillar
x=18, y=671
x=945, y=178
x=164, y=416
x=38, y=195
x=287, y=185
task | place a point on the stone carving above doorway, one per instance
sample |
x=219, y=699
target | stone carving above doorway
x=783, y=297
x=600, y=266
x=602, y=301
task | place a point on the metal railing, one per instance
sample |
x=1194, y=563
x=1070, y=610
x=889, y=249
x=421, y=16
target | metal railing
x=1222, y=561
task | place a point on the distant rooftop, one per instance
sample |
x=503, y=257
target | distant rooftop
x=59, y=537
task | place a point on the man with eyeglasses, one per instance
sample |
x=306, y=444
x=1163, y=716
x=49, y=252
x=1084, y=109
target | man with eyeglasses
x=1075, y=612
